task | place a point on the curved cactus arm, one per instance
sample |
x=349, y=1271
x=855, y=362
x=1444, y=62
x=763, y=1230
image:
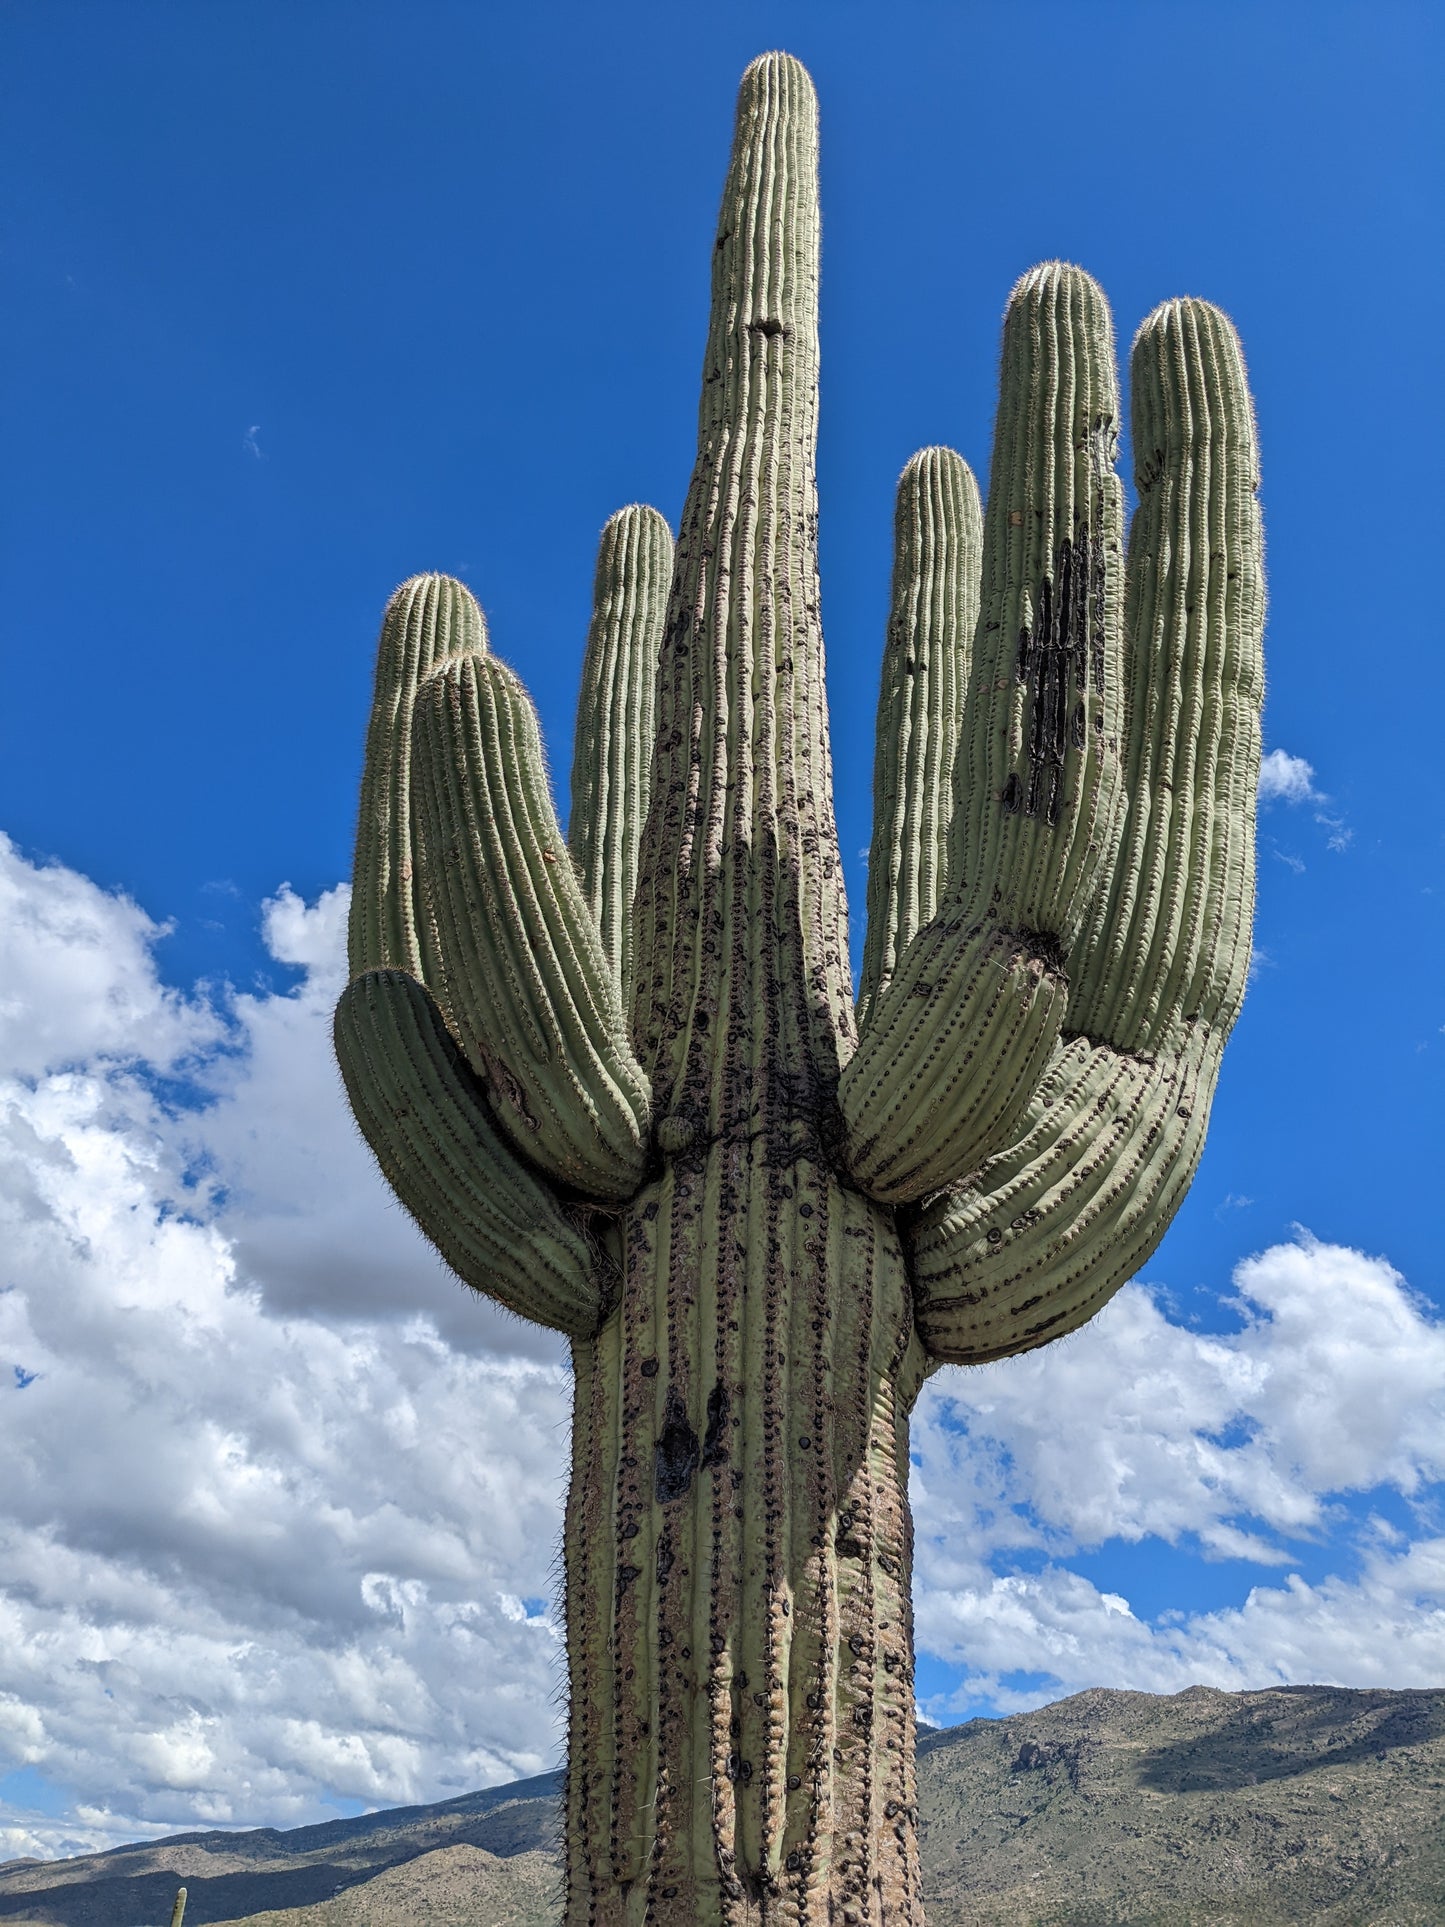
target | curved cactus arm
x=527, y=987
x=1050, y=1228
x=955, y=1047
x=430, y=617
x=937, y=539
x=425, y=1116
x=612, y=754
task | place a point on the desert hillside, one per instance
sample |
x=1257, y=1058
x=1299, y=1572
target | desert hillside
x=1296, y=1804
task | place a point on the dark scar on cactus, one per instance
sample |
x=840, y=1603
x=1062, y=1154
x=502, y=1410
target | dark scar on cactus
x=1055, y=657
x=677, y=1451
x=714, y=1441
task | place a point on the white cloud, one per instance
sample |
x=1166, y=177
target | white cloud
x=263, y=1533
x=1290, y=779
x=1384, y=1628
x=1243, y=1443
x=1287, y=779
x=77, y=980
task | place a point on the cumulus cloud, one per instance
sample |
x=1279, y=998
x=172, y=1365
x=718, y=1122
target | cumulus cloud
x=282, y=1498
x=1384, y=1628
x=1287, y=779
x=1240, y=1444
x=266, y=1542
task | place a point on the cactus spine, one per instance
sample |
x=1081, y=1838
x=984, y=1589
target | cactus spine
x=761, y=1219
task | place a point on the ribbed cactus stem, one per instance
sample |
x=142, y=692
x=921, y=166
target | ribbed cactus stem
x=612, y=755
x=937, y=537
x=738, y=1541
x=426, y=1117
x=1037, y=779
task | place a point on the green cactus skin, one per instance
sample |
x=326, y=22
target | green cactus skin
x=708, y=1204
x=178, y=1911
x=937, y=536
x=426, y=1116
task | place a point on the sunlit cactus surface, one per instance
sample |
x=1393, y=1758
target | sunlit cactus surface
x=621, y=1080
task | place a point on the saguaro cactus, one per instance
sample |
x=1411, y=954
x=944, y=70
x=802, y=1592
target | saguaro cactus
x=622, y=1086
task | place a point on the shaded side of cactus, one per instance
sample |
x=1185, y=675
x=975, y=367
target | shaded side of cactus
x=621, y=1083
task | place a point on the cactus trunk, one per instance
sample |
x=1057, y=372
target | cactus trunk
x=622, y=1086
x=738, y=1539
x=738, y=1560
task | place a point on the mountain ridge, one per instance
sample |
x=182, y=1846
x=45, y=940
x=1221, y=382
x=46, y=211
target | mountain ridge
x=1107, y=1809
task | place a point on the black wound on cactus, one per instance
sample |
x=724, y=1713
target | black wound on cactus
x=612, y=755
x=1053, y=1224
x=702, y=1194
x=937, y=540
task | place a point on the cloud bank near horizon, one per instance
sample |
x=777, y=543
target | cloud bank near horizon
x=284, y=1502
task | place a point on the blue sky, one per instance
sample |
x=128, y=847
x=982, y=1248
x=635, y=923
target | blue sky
x=305, y=298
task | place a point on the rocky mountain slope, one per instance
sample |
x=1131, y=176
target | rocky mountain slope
x=1307, y=1803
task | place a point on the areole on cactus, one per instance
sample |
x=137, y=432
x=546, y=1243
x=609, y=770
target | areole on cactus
x=622, y=1085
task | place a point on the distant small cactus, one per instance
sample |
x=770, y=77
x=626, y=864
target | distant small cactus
x=621, y=1084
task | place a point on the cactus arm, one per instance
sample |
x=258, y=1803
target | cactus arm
x=937, y=537
x=418, y=1105
x=954, y=1049
x=1053, y=1225
x=429, y=618
x=612, y=755
x=742, y=955
x=425, y=1116
x=529, y=992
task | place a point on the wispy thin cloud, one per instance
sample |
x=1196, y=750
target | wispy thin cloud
x=250, y=443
